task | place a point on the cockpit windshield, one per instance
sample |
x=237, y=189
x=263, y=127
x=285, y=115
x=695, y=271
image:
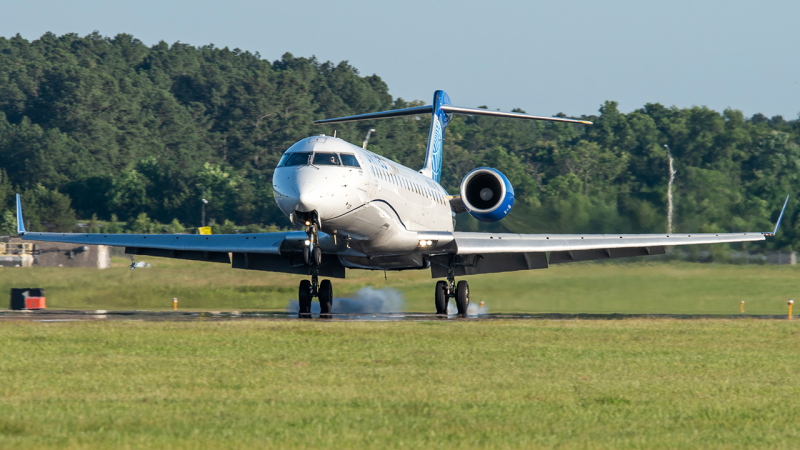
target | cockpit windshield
x=325, y=159
x=297, y=159
x=349, y=160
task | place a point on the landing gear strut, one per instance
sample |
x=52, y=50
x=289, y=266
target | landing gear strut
x=445, y=290
x=312, y=256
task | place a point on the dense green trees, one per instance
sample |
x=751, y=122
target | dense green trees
x=136, y=136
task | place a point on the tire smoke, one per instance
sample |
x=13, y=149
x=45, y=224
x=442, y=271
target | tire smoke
x=366, y=300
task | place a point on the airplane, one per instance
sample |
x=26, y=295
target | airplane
x=359, y=210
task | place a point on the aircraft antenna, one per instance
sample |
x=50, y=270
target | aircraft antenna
x=366, y=139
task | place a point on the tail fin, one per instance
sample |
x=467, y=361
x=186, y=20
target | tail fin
x=433, y=156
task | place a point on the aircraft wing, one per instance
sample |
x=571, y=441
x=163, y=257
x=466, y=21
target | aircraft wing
x=474, y=253
x=174, y=244
x=468, y=243
x=273, y=252
x=477, y=253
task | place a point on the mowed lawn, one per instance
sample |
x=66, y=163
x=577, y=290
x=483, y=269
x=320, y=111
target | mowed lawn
x=639, y=286
x=442, y=384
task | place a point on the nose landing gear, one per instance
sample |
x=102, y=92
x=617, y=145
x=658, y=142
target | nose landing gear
x=445, y=290
x=312, y=256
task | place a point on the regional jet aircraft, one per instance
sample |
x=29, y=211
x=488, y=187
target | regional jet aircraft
x=359, y=210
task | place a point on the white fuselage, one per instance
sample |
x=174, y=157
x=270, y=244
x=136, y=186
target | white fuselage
x=375, y=205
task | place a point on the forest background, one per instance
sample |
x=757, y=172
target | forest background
x=130, y=138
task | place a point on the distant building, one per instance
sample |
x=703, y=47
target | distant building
x=15, y=252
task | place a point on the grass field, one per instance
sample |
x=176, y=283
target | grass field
x=311, y=384
x=636, y=287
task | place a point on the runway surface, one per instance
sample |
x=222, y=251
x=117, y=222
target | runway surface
x=95, y=315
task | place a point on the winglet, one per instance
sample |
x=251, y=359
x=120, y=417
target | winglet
x=20, y=223
x=778, y=223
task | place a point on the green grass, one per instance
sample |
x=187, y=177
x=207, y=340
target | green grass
x=636, y=287
x=464, y=384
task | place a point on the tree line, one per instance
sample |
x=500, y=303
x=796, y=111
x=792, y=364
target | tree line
x=130, y=138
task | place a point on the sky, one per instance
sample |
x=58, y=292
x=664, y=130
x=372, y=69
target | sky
x=545, y=57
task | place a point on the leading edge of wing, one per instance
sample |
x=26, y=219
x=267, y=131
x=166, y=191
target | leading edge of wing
x=471, y=243
x=267, y=243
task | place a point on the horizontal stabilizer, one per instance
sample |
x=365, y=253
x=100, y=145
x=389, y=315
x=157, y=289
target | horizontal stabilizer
x=448, y=109
x=486, y=112
x=380, y=115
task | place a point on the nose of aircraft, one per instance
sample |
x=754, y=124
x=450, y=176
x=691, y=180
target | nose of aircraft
x=308, y=200
x=296, y=191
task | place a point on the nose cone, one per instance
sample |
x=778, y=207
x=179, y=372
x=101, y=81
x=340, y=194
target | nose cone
x=309, y=200
x=298, y=190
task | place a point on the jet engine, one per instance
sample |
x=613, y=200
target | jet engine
x=487, y=194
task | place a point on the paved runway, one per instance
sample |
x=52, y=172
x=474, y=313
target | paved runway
x=94, y=315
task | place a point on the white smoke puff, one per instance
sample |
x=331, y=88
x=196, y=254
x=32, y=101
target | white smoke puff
x=473, y=309
x=367, y=300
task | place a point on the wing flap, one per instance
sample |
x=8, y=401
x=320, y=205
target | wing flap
x=218, y=257
x=606, y=253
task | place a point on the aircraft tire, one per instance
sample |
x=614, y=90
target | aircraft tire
x=441, y=297
x=304, y=298
x=317, y=256
x=462, y=297
x=325, y=297
x=306, y=255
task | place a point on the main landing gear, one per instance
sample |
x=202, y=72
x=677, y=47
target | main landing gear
x=312, y=256
x=445, y=290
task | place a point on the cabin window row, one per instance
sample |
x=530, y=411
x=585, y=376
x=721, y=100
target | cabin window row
x=409, y=185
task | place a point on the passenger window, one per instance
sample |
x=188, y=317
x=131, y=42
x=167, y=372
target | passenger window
x=325, y=159
x=298, y=159
x=349, y=160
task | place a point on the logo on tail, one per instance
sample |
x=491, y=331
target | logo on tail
x=440, y=119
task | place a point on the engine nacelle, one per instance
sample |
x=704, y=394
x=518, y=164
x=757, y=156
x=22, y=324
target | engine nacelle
x=487, y=194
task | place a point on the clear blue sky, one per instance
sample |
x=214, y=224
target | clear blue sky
x=542, y=56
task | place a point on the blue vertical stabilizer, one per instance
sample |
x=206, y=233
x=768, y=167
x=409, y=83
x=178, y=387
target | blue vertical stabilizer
x=440, y=119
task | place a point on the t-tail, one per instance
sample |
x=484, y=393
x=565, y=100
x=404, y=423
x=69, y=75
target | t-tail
x=442, y=112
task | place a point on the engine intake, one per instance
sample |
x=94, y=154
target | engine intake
x=487, y=194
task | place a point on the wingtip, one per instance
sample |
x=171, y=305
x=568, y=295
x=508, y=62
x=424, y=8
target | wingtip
x=20, y=223
x=780, y=217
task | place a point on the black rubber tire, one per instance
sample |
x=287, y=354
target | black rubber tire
x=462, y=297
x=440, y=297
x=325, y=297
x=306, y=255
x=317, y=256
x=304, y=298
